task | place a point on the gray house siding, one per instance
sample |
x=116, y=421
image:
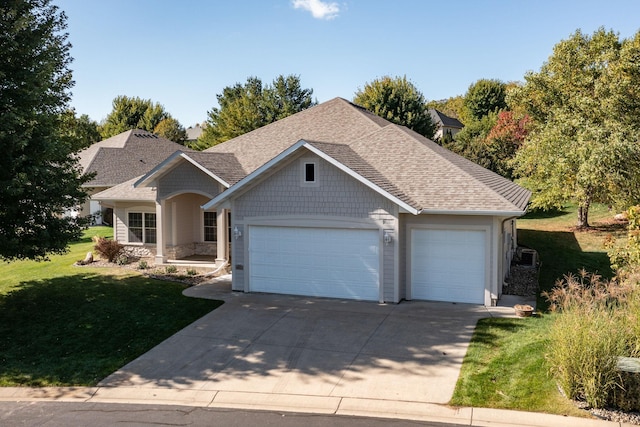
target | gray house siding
x=185, y=177
x=336, y=195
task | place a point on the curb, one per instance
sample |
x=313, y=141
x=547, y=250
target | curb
x=347, y=406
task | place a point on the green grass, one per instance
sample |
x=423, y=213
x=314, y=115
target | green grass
x=505, y=366
x=565, y=250
x=62, y=325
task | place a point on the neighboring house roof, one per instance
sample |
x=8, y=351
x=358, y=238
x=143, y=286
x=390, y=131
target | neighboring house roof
x=442, y=120
x=127, y=192
x=125, y=156
x=194, y=132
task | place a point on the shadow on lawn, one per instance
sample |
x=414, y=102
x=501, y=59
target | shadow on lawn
x=75, y=330
x=561, y=254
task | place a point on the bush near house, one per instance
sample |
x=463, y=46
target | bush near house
x=107, y=248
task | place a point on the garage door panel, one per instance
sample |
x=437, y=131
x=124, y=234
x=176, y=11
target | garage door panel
x=448, y=265
x=314, y=261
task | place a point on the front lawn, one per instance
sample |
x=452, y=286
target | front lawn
x=62, y=325
x=505, y=366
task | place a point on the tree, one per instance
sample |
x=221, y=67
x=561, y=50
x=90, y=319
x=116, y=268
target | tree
x=471, y=141
x=399, y=101
x=81, y=131
x=171, y=129
x=483, y=97
x=39, y=175
x=137, y=113
x=245, y=107
x=452, y=107
x=504, y=140
x=583, y=146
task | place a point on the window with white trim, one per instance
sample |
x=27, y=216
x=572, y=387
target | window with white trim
x=142, y=227
x=210, y=226
x=309, y=173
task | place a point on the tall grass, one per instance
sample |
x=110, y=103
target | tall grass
x=596, y=326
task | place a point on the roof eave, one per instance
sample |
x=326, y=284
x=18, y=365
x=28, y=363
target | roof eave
x=472, y=212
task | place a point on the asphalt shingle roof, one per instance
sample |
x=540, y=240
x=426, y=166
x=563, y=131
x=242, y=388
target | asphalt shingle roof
x=336, y=121
x=445, y=121
x=125, y=156
x=403, y=163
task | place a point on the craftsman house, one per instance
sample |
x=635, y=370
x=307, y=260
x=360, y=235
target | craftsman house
x=333, y=201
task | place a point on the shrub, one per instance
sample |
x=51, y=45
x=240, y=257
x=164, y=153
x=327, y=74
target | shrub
x=191, y=271
x=109, y=249
x=591, y=330
x=122, y=259
x=171, y=269
x=142, y=265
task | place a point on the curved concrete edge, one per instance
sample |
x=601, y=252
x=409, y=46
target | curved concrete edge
x=418, y=411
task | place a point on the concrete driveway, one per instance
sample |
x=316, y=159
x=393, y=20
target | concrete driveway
x=298, y=348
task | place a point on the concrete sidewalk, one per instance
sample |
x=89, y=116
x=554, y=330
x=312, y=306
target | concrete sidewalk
x=297, y=354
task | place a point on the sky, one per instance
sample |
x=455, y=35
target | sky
x=183, y=53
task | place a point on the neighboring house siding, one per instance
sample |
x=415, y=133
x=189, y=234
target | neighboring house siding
x=336, y=195
x=185, y=177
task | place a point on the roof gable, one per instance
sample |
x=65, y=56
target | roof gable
x=337, y=120
x=445, y=121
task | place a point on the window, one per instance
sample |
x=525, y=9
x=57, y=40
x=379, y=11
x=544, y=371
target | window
x=309, y=172
x=210, y=226
x=142, y=227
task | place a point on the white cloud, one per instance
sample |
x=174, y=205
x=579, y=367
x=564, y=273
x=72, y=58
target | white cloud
x=318, y=8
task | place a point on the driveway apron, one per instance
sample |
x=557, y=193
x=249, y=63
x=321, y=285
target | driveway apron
x=304, y=346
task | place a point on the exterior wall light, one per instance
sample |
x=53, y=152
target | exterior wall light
x=236, y=233
x=387, y=238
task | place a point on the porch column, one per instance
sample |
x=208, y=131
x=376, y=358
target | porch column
x=222, y=237
x=160, y=257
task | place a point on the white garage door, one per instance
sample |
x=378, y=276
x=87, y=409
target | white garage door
x=322, y=262
x=448, y=265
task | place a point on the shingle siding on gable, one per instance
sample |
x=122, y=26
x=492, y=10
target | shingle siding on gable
x=185, y=177
x=337, y=195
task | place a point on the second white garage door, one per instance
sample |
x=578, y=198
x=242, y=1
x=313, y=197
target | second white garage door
x=324, y=262
x=448, y=265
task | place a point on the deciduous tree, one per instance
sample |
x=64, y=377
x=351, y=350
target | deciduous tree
x=81, y=131
x=39, y=176
x=399, y=101
x=137, y=113
x=483, y=97
x=583, y=146
x=171, y=129
x=584, y=143
x=245, y=107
